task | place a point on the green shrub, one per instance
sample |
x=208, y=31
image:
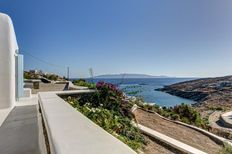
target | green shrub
x=175, y=116
x=109, y=96
x=185, y=120
x=217, y=108
x=84, y=83
x=29, y=75
x=188, y=114
x=182, y=112
x=51, y=77
x=107, y=108
x=227, y=149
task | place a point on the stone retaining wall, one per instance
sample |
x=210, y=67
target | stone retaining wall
x=215, y=138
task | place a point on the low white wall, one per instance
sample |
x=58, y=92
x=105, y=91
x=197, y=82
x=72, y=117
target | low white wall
x=226, y=119
x=218, y=139
x=70, y=132
x=170, y=141
x=74, y=87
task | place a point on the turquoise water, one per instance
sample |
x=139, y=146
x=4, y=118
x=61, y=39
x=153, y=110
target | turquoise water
x=145, y=88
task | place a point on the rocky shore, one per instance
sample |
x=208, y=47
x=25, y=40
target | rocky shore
x=209, y=93
x=193, y=95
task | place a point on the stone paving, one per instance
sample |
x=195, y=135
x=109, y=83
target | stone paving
x=19, y=132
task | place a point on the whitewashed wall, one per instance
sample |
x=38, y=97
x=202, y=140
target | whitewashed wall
x=8, y=49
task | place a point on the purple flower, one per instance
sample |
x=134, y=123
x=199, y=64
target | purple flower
x=101, y=84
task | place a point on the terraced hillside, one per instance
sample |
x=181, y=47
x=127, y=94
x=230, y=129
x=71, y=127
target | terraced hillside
x=179, y=132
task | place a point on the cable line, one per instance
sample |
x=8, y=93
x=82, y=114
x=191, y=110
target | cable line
x=43, y=61
x=48, y=63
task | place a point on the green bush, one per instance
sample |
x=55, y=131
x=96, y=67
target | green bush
x=29, y=75
x=227, y=149
x=51, y=77
x=217, y=108
x=188, y=114
x=184, y=113
x=109, y=96
x=84, y=83
x=107, y=108
x=150, y=107
x=175, y=116
x=185, y=120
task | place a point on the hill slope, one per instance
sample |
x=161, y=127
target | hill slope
x=208, y=92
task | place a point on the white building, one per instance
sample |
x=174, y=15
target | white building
x=11, y=64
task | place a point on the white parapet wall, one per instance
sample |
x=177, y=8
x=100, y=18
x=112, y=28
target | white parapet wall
x=8, y=50
x=70, y=132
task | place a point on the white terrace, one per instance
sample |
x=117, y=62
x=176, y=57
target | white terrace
x=43, y=123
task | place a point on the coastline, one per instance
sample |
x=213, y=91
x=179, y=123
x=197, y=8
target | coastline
x=145, y=87
x=209, y=93
x=192, y=95
x=196, y=96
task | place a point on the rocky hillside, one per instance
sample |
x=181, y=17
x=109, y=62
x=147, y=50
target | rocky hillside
x=209, y=93
x=39, y=74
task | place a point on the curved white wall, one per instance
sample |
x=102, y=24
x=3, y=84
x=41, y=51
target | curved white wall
x=8, y=48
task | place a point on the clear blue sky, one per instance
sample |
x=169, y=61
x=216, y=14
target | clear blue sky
x=157, y=37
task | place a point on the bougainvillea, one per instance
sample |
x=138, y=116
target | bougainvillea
x=108, y=108
x=108, y=95
x=108, y=86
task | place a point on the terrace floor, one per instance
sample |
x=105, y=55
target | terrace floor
x=19, y=133
x=44, y=87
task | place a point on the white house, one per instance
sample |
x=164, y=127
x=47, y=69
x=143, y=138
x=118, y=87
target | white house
x=11, y=64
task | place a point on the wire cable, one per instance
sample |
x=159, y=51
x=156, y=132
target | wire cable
x=43, y=61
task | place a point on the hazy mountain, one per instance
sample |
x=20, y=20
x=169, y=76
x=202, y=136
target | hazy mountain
x=129, y=76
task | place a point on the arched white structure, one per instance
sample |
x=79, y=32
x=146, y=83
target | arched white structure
x=8, y=51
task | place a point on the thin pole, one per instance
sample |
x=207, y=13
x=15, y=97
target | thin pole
x=91, y=74
x=68, y=73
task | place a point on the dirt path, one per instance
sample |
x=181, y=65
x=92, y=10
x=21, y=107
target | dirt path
x=176, y=131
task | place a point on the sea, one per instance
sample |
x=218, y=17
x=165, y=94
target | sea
x=145, y=88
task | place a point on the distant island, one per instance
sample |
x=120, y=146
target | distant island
x=126, y=75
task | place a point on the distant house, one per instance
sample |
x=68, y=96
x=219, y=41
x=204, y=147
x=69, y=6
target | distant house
x=37, y=72
x=34, y=71
x=225, y=84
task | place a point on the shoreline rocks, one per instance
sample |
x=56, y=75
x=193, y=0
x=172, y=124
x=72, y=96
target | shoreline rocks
x=193, y=95
x=207, y=92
